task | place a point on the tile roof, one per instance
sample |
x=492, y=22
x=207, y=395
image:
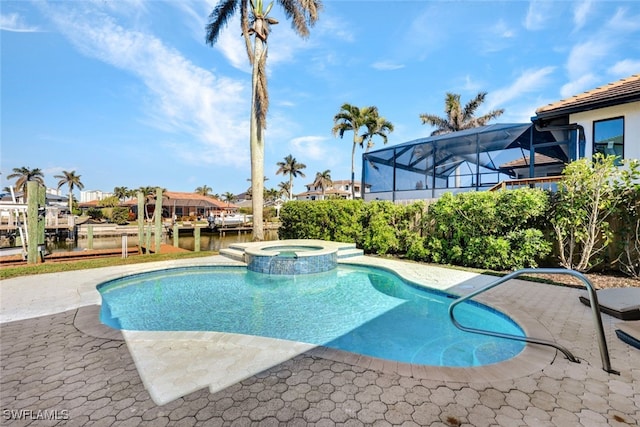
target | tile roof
x=619, y=92
x=179, y=199
x=539, y=158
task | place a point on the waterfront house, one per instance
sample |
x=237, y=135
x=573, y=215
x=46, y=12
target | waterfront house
x=340, y=189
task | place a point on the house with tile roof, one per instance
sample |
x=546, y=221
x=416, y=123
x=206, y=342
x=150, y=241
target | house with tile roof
x=340, y=189
x=179, y=204
x=603, y=120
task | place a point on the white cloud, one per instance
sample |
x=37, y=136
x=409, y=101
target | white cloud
x=311, y=147
x=625, y=68
x=14, y=22
x=579, y=85
x=529, y=81
x=501, y=29
x=581, y=12
x=192, y=103
x=497, y=37
x=471, y=85
x=386, y=66
x=591, y=58
x=537, y=14
x=584, y=57
x=335, y=27
x=622, y=21
x=231, y=44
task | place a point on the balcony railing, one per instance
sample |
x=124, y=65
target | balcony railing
x=545, y=182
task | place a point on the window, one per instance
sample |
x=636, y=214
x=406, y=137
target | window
x=608, y=137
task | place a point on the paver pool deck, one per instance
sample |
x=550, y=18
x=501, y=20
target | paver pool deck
x=57, y=361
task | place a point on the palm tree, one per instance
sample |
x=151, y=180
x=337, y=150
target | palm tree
x=149, y=194
x=255, y=25
x=271, y=194
x=323, y=180
x=24, y=175
x=121, y=193
x=229, y=198
x=205, y=190
x=291, y=167
x=352, y=118
x=378, y=126
x=284, y=188
x=71, y=180
x=458, y=118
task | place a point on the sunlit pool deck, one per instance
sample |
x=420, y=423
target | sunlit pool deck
x=56, y=356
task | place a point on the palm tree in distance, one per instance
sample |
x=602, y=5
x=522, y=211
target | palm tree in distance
x=71, y=180
x=149, y=194
x=284, y=188
x=121, y=193
x=229, y=198
x=352, y=118
x=271, y=194
x=255, y=25
x=291, y=167
x=377, y=126
x=323, y=180
x=458, y=118
x=205, y=190
x=23, y=175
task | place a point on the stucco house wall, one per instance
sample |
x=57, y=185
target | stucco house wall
x=631, y=114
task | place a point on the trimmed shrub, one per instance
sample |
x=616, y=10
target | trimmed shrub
x=495, y=230
x=120, y=215
x=499, y=231
x=95, y=213
x=337, y=220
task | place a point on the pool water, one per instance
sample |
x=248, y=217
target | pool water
x=357, y=309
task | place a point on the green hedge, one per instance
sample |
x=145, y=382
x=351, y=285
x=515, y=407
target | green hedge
x=336, y=220
x=501, y=230
x=496, y=230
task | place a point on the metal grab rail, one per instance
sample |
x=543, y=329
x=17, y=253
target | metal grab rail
x=595, y=308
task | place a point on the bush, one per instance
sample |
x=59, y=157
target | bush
x=337, y=220
x=95, y=213
x=376, y=227
x=628, y=219
x=489, y=229
x=586, y=199
x=120, y=215
x=500, y=231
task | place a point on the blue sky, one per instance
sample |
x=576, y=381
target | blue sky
x=127, y=93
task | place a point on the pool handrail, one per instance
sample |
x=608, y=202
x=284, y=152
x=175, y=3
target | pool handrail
x=595, y=308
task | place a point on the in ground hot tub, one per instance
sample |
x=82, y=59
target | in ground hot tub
x=287, y=258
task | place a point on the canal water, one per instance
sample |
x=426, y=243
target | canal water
x=208, y=241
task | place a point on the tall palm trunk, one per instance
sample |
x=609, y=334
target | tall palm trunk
x=70, y=200
x=290, y=186
x=257, y=149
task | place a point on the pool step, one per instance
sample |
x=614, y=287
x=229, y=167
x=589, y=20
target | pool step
x=349, y=252
x=234, y=254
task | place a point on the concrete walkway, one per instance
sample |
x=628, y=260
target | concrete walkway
x=59, y=366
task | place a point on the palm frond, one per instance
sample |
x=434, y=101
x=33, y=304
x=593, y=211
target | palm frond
x=219, y=18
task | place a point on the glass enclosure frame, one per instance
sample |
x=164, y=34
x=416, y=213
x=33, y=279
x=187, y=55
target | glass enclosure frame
x=470, y=160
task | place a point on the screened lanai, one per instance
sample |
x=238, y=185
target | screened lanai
x=474, y=159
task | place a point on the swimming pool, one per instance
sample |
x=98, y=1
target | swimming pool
x=362, y=310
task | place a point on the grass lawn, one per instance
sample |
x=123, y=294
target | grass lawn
x=56, y=267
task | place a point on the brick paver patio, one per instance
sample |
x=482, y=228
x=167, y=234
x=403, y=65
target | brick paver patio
x=52, y=369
